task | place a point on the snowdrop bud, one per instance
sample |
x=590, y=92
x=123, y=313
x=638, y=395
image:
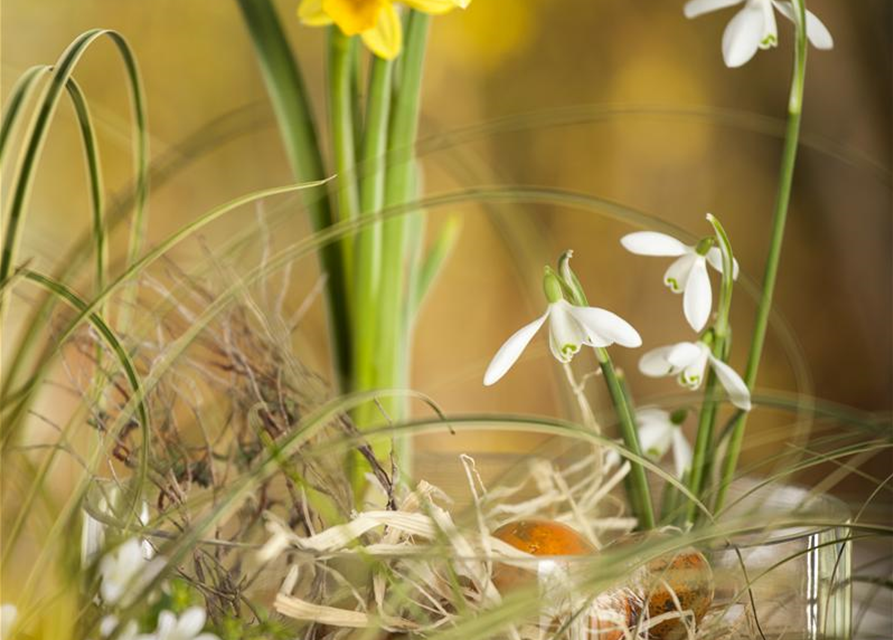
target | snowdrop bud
x=552, y=286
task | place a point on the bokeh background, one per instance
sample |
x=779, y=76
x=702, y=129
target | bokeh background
x=626, y=101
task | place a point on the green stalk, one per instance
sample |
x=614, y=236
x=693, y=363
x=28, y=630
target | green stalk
x=367, y=266
x=636, y=483
x=702, y=457
x=640, y=495
x=341, y=106
x=399, y=190
x=782, y=202
x=285, y=85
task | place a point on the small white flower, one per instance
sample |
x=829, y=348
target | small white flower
x=8, y=615
x=570, y=327
x=658, y=434
x=688, y=361
x=109, y=623
x=187, y=627
x=753, y=27
x=125, y=571
x=93, y=530
x=687, y=274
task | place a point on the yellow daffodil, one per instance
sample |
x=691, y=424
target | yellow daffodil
x=376, y=21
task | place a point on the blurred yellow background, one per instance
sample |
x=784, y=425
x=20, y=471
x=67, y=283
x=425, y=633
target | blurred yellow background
x=629, y=102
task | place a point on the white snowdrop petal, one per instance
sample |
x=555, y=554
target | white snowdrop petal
x=682, y=453
x=603, y=326
x=743, y=35
x=191, y=622
x=816, y=31
x=565, y=332
x=653, y=243
x=8, y=615
x=655, y=363
x=683, y=354
x=697, y=302
x=693, y=375
x=677, y=274
x=509, y=352
x=714, y=257
x=738, y=392
x=655, y=439
x=695, y=8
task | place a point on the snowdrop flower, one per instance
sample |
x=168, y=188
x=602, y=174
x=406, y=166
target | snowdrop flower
x=687, y=274
x=688, y=361
x=753, y=27
x=125, y=571
x=93, y=530
x=8, y=615
x=570, y=327
x=658, y=433
x=109, y=623
x=187, y=627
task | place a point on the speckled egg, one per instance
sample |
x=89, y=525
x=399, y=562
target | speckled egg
x=685, y=573
x=690, y=577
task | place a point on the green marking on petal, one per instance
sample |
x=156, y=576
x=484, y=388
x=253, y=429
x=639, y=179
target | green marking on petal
x=673, y=284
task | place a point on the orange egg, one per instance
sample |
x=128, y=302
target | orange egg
x=612, y=613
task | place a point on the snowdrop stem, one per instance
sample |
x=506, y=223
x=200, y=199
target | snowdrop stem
x=700, y=462
x=783, y=197
x=637, y=486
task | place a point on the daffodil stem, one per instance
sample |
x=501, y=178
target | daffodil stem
x=367, y=268
x=782, y=202
x=367, y=265
x=394, y=330
x=701, y=459
x=341, y=115
x=640, y=495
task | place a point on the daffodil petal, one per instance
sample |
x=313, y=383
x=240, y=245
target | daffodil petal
x=385, y=39
x=738, y=392
x=816, y=31
x=653, y=243
x=655, y=363
x=677, y=274
x=697, y=302
x=682, y=453
x=604, y=328
x=311, y=13
x=695, y=8
x=191, y=622
x=743, y=35
x=566, y=334
x=433, y=7
x=714, y=257
x=511, y=350
x=354, y=17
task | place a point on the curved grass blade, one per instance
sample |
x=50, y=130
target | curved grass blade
x=67, y=295
x=36, y=137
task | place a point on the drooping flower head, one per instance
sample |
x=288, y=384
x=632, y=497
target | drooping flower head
x=687, y=274
x=754, y=27
x=376, y=21
x=687, y=361
x=570, y=327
